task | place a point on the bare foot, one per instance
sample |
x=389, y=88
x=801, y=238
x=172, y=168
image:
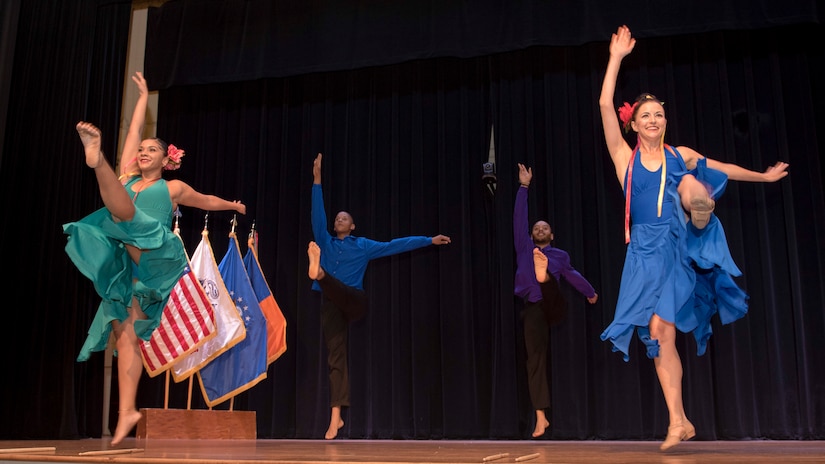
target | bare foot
x=314, y=252
x=332, y=431
x=90, y=137
x=126, y=421
x=335, y=422
x=540, y=265
x=541, y=423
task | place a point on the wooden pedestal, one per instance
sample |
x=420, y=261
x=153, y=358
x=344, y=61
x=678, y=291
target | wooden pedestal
x=196, y=424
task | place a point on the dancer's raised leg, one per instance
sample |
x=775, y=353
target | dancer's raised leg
x=315, y=272
x=696, y=200
x=114, y=196
x=90, y=137
x=540, y=265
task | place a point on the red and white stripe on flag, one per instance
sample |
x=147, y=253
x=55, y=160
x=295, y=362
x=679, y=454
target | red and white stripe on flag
x=186, y=323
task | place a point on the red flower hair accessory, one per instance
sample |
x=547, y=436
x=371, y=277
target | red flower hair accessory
x=175, y=154
x=626, y=114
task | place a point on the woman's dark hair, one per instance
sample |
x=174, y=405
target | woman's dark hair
x=163, y=145
x=643, y=98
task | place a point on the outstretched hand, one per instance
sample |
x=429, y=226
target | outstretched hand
x=143, y=88
x=622, y=43
x=441, y=240
x=776, y=172
x=316, y=169
x=525, y=174
x=240, y=207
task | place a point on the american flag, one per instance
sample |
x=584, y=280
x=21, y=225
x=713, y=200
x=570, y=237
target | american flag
x=186, y=323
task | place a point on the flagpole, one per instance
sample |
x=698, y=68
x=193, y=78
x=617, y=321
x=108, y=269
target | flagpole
x=107, y=386
x=166, y=392
x=189, y=394
x=177, y=215
x=191, y=376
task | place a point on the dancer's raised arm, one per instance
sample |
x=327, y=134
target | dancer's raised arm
x=127, y=160
x=621, y=44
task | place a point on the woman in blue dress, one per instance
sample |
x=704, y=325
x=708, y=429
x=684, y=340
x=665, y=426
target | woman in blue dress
x=128, y=249
x=678, y=271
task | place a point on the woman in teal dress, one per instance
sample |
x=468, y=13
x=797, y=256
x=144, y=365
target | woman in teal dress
x=677, y=273
x=127, y=248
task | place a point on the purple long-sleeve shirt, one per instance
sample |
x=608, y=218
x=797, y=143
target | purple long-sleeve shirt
x=558, y=261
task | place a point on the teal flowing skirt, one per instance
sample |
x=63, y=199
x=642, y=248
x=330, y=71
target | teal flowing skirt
x=97, y=246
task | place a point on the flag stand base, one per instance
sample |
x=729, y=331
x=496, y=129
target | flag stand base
x=196, y=424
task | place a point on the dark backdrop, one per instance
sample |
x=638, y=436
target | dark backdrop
x=404, y=124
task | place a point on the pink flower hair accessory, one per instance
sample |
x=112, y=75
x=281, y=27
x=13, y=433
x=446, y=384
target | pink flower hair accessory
x=175, y=154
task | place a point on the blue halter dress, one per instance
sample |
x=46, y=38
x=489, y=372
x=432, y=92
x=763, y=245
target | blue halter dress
x=682, y=274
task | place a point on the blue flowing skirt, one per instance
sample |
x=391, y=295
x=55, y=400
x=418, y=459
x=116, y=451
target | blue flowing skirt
x=680, y=273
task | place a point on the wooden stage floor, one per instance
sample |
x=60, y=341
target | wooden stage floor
x=158, y=451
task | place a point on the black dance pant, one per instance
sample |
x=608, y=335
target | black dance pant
x=536, y=340
x=538, y=317
x=341, y=305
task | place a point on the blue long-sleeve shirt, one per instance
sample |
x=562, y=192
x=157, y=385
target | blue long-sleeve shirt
x=558, y=261
x=346, y=259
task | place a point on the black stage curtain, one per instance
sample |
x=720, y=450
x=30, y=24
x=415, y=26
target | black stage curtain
x=68, y=64
x=210, y=41
x=440, y=355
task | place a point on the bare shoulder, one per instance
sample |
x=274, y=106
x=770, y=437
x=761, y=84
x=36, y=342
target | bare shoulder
x=689, y=155
x=177, y=189
x=173, y=184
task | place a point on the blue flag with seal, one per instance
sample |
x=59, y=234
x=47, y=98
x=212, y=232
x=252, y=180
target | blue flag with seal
x=244, y=365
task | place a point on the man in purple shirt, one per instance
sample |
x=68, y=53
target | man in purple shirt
x=539, y=267
x=337, y=263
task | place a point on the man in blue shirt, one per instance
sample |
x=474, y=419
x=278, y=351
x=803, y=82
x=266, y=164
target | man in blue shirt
x=539, y=267
x=337, y=263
